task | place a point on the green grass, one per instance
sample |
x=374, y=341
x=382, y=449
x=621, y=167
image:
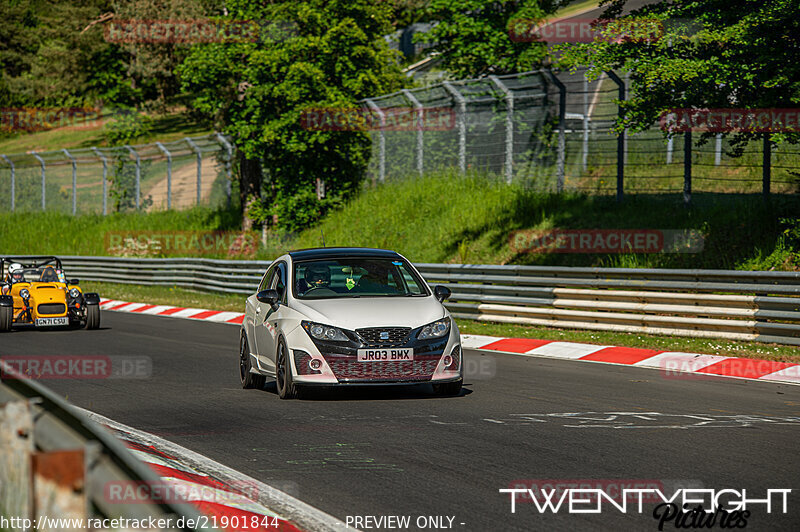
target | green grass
x=164, y=128
x=164, y=295
x=61, y=234
x=468, y=219
x=710, y=346
x=452, y=218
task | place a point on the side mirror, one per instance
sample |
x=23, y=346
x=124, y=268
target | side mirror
x=74, y=281
x=441, y=293
x=270, y=297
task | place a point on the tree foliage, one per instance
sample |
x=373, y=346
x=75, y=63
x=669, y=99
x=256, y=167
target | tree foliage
x=710, y=54
x=310, y=55
x=473, y=36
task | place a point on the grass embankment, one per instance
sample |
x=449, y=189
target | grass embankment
x=456, y=219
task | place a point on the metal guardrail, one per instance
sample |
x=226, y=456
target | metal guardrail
x=56, y=463
x=759, y=306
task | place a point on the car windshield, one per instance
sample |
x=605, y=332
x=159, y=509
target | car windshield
x=355, y=277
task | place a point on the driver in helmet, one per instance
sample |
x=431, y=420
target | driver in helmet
x=15, y=275
x=318, y=276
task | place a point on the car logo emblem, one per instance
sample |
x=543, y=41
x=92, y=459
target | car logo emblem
x=384, y=335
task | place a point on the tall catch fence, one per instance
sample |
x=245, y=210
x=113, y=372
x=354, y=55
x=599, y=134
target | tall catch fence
x=169, y=175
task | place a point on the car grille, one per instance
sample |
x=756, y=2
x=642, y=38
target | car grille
x=410, y=370
x=51, y=308
x=392, y=336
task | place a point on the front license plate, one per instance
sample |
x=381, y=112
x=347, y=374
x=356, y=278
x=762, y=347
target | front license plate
x=51, y=322
x=385, y=355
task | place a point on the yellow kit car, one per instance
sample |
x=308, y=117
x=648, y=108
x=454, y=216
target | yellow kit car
x=35, y=291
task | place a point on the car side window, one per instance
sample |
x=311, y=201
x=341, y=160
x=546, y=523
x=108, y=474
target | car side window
x=267, y=279
x=279, y=283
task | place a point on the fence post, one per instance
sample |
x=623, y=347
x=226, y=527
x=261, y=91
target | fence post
x=718, y=150
x=229, y=157
x=105, y=178
x=562, y=133
x=197, y=151
x=687, y=167
x=166, y=152
x=41, y=162
x=74, y=182
x=509, y=97
x=585, y=152
x=670, y=149
x=461, y=120
x=766, y=167
x=13, y=181
x=620, y=138
x=420, y=149
x=381, y=139
x=138, y=173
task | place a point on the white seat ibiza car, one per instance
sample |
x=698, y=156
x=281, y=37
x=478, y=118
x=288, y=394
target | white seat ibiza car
x=348, y=316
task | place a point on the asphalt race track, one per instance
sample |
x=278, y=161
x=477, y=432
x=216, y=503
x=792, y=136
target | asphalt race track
x=401, y=451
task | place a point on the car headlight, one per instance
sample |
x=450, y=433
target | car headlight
x=324, y=332
x=437, y=329
x=24, y=294
x=74, y=293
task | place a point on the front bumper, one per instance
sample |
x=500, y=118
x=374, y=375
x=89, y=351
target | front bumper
x=339, y=365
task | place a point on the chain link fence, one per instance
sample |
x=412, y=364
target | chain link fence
x=554, y=131
x=169, y=175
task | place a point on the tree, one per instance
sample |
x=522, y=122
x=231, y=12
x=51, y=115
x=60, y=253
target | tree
x=315, y=54
x=711, y=54
x=474, y=36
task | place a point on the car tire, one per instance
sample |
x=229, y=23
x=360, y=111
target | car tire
x=283, y=373
x=249, y=380
x=6, y=317
x=93, y=317
x=448, y=389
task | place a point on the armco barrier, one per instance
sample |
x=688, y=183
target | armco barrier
x=55, y=464
x=738, y=305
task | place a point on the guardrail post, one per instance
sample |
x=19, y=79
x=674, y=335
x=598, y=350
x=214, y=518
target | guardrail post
x=381, y=139
x=670, y=149
x=74, y=182
x=229, y=157
x=105, y=178
x=420, y=146
x=461, y=120
x=166, y=152
x=138, y=173
x=687, y=167
x=620, y=138
x=562, y=133
x=41, y=162
x=509, y=97
x=13, y=181
x=766, y=167
x=199, y=153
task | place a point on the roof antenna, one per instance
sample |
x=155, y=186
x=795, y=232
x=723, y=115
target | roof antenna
x=323, y=236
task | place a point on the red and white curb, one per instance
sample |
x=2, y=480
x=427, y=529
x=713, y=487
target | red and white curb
x=217, y=316
x=671, y=363
x=224, y=494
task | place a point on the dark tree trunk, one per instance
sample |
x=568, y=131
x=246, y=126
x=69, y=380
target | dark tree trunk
x=250, y=178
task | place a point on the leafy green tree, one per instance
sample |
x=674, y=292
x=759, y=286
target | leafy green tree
x=308, y=55
x=474, y=36
x=710, y=54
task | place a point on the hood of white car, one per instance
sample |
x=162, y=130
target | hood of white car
x=355, y=313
